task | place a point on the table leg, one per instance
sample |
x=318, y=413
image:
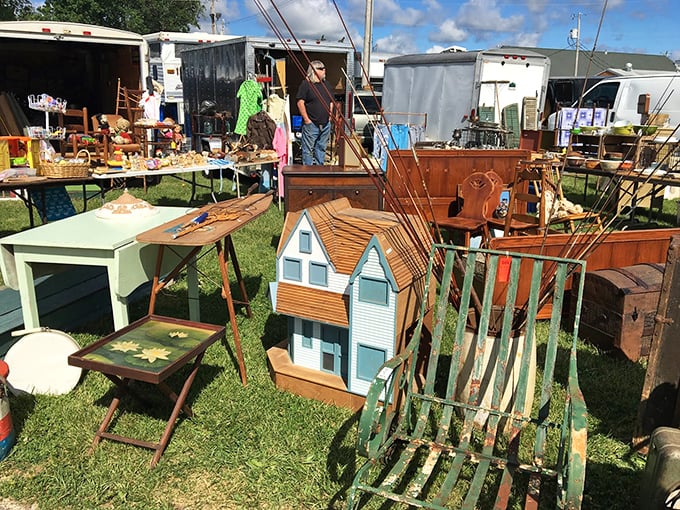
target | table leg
x=192, y=291
x=237, y=271
x=179, y=406
x=122, y=385
x=29, y=303
x=192, y=280
x=226, y=293
x=193, y=188
x=156, y=284
x=119, y=304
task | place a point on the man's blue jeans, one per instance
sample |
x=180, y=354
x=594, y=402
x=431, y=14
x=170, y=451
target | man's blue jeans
x=314, y=141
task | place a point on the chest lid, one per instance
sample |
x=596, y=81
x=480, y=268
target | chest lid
x=621, y=281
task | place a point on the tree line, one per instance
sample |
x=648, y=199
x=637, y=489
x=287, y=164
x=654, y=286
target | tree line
x=142, y=17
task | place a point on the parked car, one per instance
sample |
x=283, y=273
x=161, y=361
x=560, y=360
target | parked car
x=365, y=113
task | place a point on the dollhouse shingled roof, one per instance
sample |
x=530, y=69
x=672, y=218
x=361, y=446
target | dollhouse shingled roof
x=346, y=231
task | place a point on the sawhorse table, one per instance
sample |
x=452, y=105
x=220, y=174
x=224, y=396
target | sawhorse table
x=148, y=350
x=223, y=219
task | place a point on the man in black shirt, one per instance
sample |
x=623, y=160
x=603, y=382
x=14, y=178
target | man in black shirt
x=315, y=103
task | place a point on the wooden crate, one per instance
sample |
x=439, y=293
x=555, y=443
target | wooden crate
x=619, y=307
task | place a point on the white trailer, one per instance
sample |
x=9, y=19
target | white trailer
x=453, y=88
x=165, y=64
x=82, y=64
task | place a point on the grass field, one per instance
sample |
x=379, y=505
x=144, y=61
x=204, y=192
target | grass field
x=253, y=446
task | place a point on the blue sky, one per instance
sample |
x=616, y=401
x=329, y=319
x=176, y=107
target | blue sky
x=420, y=26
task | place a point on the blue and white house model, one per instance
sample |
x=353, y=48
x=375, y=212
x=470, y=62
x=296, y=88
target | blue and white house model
x=351, y=282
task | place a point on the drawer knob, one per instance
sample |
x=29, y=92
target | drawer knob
x=309, y=192
x=356, y=191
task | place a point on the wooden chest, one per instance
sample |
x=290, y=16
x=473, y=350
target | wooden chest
x=305, y=186
x=619, y=307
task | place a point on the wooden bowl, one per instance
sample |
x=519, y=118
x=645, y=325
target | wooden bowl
x=591, y=164
x=575, y=160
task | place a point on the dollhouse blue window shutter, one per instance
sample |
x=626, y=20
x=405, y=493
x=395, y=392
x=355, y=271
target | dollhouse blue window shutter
x=292, y=269
x=372, y=290
x=318, y=274
x=307, y=334
x=305, y=241
x=369, y=360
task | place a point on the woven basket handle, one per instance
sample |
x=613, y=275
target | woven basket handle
x=44, y=155
x=89, y=157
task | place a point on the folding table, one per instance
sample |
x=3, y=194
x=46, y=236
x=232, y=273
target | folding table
x=149, y=350
x=222, y=220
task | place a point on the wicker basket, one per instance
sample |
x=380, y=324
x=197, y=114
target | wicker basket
x=69, y=169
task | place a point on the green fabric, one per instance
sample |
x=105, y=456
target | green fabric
x=250, y=95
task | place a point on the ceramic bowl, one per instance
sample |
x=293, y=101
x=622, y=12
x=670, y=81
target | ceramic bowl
x=610, y=165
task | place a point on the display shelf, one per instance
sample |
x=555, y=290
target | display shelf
x=598, y=145
x=48, y=104
x=45, y=133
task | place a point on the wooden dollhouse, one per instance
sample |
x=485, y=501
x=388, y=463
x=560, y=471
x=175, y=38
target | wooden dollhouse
x=351, y=282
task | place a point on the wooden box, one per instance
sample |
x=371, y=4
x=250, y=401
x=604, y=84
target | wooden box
x=305, y=186
x=619, y=307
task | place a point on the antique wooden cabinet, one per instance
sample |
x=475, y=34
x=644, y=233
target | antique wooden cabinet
x=438, y=172
x=305, y=186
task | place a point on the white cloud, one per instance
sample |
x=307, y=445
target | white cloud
x=306, y=19
x=483, y=16
x=537, y=6
x=409, y=17
x=448, y=31
x=528, y=39
x=400, y=43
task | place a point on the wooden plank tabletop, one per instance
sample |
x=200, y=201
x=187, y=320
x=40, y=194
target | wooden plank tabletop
x=223, y=219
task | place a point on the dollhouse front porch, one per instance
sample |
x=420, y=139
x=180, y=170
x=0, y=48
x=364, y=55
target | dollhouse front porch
x=308, y=383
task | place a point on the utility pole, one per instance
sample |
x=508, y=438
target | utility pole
x=213, y=16
x=368, y=36
x=578, y=39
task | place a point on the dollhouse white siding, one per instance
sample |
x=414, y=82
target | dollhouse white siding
x=337, y=282
x=371, y=324
x=306, y=356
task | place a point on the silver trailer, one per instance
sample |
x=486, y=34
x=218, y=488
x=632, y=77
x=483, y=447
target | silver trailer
x=455, y=88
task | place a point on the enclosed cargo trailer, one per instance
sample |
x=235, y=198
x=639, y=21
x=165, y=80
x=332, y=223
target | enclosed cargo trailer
x=455, y=88
x=82, y=64
x=215, y=72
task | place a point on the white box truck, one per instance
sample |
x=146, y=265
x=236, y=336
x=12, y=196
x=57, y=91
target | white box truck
x=453, y=88
x=165, y=65
x=80, y=63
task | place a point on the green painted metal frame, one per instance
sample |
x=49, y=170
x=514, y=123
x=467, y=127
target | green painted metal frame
x=427, y=449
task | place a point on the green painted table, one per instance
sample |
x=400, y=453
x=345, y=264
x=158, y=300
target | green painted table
x=86, y=240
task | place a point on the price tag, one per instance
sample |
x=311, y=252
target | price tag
x=504, y=269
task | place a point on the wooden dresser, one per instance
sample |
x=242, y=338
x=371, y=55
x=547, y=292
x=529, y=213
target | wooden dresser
x=305, y=186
